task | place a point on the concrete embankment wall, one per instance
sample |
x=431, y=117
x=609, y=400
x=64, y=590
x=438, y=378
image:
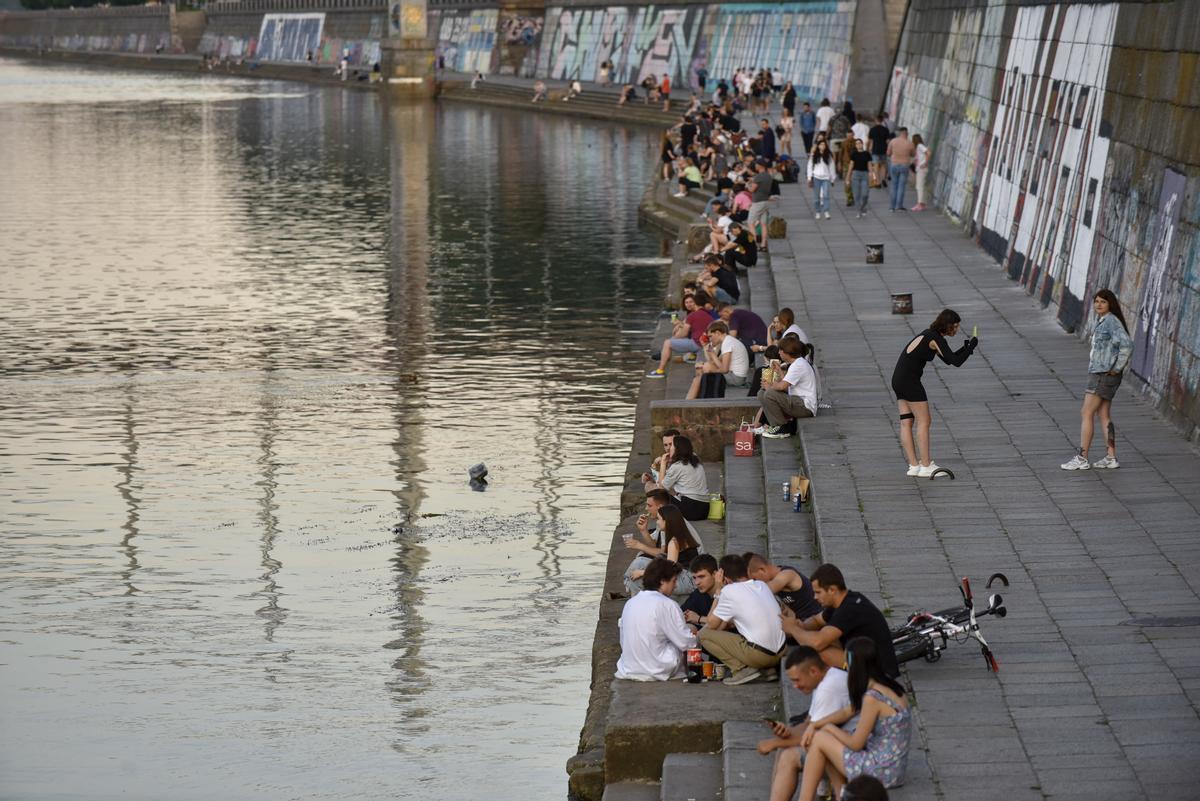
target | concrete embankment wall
x=1064, y=139
x=126, y=29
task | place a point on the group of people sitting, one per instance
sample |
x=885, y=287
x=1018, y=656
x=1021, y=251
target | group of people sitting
x=753, y=615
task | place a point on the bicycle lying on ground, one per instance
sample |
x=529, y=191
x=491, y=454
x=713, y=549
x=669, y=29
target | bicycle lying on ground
x=927, y=634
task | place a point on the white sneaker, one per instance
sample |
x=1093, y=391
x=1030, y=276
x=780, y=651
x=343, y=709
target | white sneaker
x=817, y=216
x=1109, y=462
x=1078, y=462
x=914, y=470
x=827, y=215
x=925, y=471
x=679, y=194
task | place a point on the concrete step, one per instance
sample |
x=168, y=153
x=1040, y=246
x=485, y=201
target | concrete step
x=745, y=524
x=747, y=773
x=632, y=791
x=692, y=777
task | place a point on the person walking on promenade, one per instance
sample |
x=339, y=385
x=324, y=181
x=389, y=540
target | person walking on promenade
x=910, y=393
x=921, y=165
x=702, y=78
x=825, y=114
x=900, y=152
x=821, y=173
x=788, y=99
x=786, y=123
x=860, y=166
x=808, y=126
x=879, y=136
x=1111, y=349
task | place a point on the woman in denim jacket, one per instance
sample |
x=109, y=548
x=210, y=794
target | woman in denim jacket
x=1111, y=349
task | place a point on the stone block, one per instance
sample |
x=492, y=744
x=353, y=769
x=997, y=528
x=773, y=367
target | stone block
x=709, y=423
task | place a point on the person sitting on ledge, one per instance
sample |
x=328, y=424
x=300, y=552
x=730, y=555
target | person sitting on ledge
x=686, y=481
x=829, y=706
x=685, y=334
x=697, y=605
x=744, y=325
x=654, y=637
x=659, y=466
x=689, y=176
x=628, y=92
x=726, y=364
x=740, y=250
x=719, y=280
x=846, y=615
x=749, y=607
x=792, y=587
x=794, y=397
x=678, y=543
x=650, y=541
x=539, y=90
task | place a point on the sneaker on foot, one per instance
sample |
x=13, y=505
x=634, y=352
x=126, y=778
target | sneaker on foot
x=817, y=216
x=925, y=471
x=1109, y=462
x=743, y=676
x=656, y=374
x=679, y=194
x=914, y=470
x=1078, y=462
x=827, y=215
x=689, y=357
x=776, y=432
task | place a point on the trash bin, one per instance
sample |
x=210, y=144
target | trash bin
x=902, y=303
x=875, y=253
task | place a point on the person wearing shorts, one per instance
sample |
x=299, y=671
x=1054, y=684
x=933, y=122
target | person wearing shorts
x=760, y=196
x=910, y=392
x=1111, y=349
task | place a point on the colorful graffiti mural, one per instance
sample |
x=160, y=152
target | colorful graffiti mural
x=1015, y=100
x=519, y=40
x=289, y=37
x=466, y=40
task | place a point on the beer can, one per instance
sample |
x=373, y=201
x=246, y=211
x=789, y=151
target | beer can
x=796, y=505
x=787, y=490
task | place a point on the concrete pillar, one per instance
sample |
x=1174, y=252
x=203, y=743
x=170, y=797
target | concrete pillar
x=408, y=51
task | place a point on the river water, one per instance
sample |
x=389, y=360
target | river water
x=254, y=334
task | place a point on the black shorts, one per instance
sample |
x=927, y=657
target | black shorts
x=910, y=390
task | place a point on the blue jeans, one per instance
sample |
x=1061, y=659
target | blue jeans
x=860, y=185
x=898, y=175
x=723, y=199
x=722, y=296
x=820, y=195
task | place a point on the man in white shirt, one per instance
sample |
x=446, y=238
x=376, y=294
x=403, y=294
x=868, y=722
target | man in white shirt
x=860, y=130
x=824, y=114
x=654, y=636
x=725, y=356
x=830, y=704
x=792, y=397
x=744, y=629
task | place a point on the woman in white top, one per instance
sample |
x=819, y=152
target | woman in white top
x=686, y=481
x=921, y=166
x=787, y=122
x=821, y=172
x=782, y=324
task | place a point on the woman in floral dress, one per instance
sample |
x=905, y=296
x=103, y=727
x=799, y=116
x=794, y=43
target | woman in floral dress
x=879, y=744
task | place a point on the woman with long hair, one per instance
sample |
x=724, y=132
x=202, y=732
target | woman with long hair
x=686, y=481
x=910, y=393
x=879, y=744
x=921, y=169
x=678, y=545
x=786, y=123
x=821, y=172
x=666, y=151
x=1111, y=349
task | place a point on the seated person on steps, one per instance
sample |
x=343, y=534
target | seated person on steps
x=686, y=480
x=678, y=543
x=685, y=334
x=744, y=629
x=830, y=704
x=846, y=615
x=726, y=364
x=794, y=397
x=649, y=541
x=719, y=280
x=697, y=605
x=654, y=637
x=792, y=587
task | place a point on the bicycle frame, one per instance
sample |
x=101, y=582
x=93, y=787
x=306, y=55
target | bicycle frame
x=927, y=634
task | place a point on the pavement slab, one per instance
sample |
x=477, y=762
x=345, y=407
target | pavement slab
x=1086, y=704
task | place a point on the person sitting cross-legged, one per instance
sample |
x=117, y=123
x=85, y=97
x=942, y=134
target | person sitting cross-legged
x=794, y=397
x=726, y=364
x=678, y=545
x=744, y=629
x=654, y=636
x=830, y=704
x=650, y=541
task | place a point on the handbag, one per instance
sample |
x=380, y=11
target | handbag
x=743, y=440
x=716, y=508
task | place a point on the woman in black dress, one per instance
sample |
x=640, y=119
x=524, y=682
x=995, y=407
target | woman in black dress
x=910, y=394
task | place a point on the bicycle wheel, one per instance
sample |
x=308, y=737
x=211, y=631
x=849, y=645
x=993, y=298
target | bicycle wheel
x=911, y=646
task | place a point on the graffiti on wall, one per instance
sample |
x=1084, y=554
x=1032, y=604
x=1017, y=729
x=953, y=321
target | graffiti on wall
x=289, y=37
x=519, y=40
x=638, y=41
x=1154, y=307
x=467, y=40
x=808, y=42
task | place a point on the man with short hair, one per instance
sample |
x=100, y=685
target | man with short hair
x=743, y=324
x=760, y=195
x=808, y=126
x=697, y=605
x=793, y=397
x=792, y=587
x=767, y=133
x=651, y=545
x=750, y=608
x=900, y=152
x=830, y=705
x=726, y=364
x=846, y=615
x=879, y=135
x=825, y=115
x=654, y=636
x=719, y=279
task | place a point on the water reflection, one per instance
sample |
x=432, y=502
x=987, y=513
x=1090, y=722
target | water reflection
x=255, y=335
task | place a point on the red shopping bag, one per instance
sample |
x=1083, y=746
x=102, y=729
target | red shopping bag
x=743, y=441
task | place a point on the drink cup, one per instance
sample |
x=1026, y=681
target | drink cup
x=708, y=670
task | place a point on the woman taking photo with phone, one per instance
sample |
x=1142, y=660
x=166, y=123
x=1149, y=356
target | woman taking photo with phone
x=910, y=393
x=1111, y=349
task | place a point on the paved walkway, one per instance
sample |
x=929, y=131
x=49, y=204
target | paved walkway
x=1086, y=705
